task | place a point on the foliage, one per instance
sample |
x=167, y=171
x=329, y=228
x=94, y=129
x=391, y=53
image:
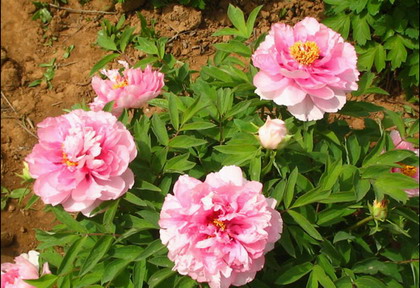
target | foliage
x=386, y=34
x=48, y=75
x=324, y=180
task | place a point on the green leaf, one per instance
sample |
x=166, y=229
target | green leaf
x=236, y=16
x=147, y=46
x=185, y=141
x=368, y=282
x=236, y=149
x=113, y=269
x=97, y=252
x=179, y=163
x=160, y=275
x=255, y=168
x=159, y=129
x=45, y=281
x=397, y=52
x=321, y=277
x=198, y=125
x=339, y=23
x=234, y=46
x=305, y=224
x=394, y=184
x=198, y=105
x=161, y=261
x=251, y=19
x=139, y=273
x=125, y=38
x=106, y=42
x=361, y=30
x=35, y=83
x=312, y=196
x=153, y=247
x=290, y=188
x=71, y=254
x=173, y=111
x=294, y=273
x=101, y=63
x=69, y=221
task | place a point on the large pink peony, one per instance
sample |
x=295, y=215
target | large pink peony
x=26, y=267
x=308, y=68
x=408, y=170
x=81, y=160
x=218, y=231
x=130, y=88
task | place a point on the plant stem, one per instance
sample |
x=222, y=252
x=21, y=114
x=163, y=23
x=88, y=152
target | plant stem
x=361, y=222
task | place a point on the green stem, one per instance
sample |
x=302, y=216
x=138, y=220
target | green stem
x=361, y=222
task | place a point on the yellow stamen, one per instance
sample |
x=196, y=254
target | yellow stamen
x=219, y=224
x=120, y=84
x=408, y=169
x=67, y=161
x=305, y=53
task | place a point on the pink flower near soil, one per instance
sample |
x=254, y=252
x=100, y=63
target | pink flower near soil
x=218, y=231
x=26, y=267
x=408, y=170
x=307, y=68
x=272, y=133
x=81, y=160
x=129, y=89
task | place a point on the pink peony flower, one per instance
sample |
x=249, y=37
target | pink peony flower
x=307, y=68
x=81, y=160
x=129, y=89
x=408, y=170
x=26, y=267
x=218, y=231
x=272, y=133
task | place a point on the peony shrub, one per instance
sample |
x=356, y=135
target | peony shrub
x=223, y=187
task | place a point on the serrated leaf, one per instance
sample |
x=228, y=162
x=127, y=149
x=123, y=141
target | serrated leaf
x=397, y=53
x=361, y=30
x=339, y=23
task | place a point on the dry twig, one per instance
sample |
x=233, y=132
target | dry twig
x=81, y=11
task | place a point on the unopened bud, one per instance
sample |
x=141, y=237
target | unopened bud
x=272, y=133
x=379, y=210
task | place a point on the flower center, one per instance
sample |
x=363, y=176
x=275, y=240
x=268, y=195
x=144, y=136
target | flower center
x=408, y=169
x=219, y=224
x=67, y=161
x=120, y=82
x=304, y=53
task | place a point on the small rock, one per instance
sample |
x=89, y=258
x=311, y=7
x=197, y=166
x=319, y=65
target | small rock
x=11, y=208
x=23, y=230
x=7, y=239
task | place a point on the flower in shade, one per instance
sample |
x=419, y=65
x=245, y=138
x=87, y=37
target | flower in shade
x=307, y=68
x=218, y=231
x=408, y=170
x=272, y=133
x=379, y=209
x=130, y=88
x=26, y=267
x=81, y=160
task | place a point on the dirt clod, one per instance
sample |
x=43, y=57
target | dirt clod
x=6, y=239
x=181, y=18
x=10, y=76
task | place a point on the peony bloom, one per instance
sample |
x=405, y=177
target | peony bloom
x=272, y=133
x=26, y=267
x=129, y=89
x=408, y=170
x=81, y=160
x=218, y=231
x=307, y=68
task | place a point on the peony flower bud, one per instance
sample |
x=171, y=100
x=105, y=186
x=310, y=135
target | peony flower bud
x=272, y=133
x=379, y=210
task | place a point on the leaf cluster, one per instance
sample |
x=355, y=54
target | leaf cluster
x=386, y=34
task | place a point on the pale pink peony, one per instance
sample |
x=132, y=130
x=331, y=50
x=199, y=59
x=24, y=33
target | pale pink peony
x=272, y=133
x=129, y=89
x=81, y=160
x=308, y=68
x=218, y=231
x=408, y=170
x=26, y=267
